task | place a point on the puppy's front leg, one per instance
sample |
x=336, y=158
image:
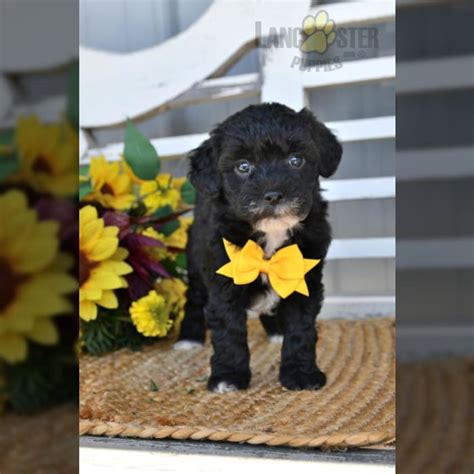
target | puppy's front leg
x=298, y=369
x=227, y=319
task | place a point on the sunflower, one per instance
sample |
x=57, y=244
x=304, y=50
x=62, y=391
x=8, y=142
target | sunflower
x=163, y=191
x=101, y=264
x=48, y=156
x=173, y=291
x=151, y=315
x=111, y=185
x=34, y=282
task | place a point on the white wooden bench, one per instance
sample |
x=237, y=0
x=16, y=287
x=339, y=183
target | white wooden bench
x=199, y=82
x=195, y=79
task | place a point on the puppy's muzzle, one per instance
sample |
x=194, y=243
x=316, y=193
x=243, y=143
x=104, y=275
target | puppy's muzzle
x=272, y=197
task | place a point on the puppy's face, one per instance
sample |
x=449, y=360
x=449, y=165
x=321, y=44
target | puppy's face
x=267, y=160
x=268, y=176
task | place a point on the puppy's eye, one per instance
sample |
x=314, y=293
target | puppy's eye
x=243, y=167
x=296, y=161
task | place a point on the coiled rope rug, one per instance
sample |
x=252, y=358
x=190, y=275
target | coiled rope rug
x=43, y=443
x=161, y=393
x=435, y=416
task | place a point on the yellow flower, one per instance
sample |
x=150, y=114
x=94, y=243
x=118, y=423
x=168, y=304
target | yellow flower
x=111, y=186
x=160, y=192
x=177, y=183
x=158, y=253
x=101, y=264
x=174, y=292
x=178, y=239
x=34, y=282
x=48, y=156
x=151, y=315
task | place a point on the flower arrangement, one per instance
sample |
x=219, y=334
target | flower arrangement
x=38, y=283
x=132, y=236
x=130, y=271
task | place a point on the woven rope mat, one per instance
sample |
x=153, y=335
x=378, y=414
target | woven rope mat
x=355, y=408
x=435, y=417
x=44, y=443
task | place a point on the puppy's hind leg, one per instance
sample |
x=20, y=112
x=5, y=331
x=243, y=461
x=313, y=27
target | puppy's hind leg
x=193, y=328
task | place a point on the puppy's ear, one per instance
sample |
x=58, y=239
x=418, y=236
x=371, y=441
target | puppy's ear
x=330, y=149
x=203, y=172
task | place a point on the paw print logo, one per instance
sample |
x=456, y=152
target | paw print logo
x=320, y=32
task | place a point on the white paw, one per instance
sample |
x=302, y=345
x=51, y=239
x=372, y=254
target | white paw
x=224, y=387
x=185, y=345
x=275, y=338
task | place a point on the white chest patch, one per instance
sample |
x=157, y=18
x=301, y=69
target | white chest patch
x=264, y=303
x=276, y=233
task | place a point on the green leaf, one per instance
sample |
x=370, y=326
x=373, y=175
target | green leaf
x=188, y=193
x=7, y=137
x=8, y=165
x=84, y=189
x=181, y=261
x=72, y=110
x=84, y=170
x=170, y=227
x=46, y=378
x=170, y=266
x=9, y=162
x=153, y=386
x=163, y=212
x=140, y=153
x=112, y=330
x=138, y=209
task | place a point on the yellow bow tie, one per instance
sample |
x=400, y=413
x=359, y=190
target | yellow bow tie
x=286, y=269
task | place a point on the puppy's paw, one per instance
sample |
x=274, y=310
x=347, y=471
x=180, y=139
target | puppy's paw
x=225, y=387
x=275, y=338
x=227, y=384
x=186, y=345
x=296, y=379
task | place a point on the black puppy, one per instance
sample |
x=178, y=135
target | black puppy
x=257, y=178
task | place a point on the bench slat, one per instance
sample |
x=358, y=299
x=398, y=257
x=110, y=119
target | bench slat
x=352, y=189
x=435, y=75
x=175, y=147
x=352, y=72
x=455, y=252
x=435, y=163
x=379, y=247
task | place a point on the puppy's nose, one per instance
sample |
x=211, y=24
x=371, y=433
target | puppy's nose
x=273, y=197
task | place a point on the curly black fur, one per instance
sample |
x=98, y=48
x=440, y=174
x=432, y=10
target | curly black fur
x=230, y=205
